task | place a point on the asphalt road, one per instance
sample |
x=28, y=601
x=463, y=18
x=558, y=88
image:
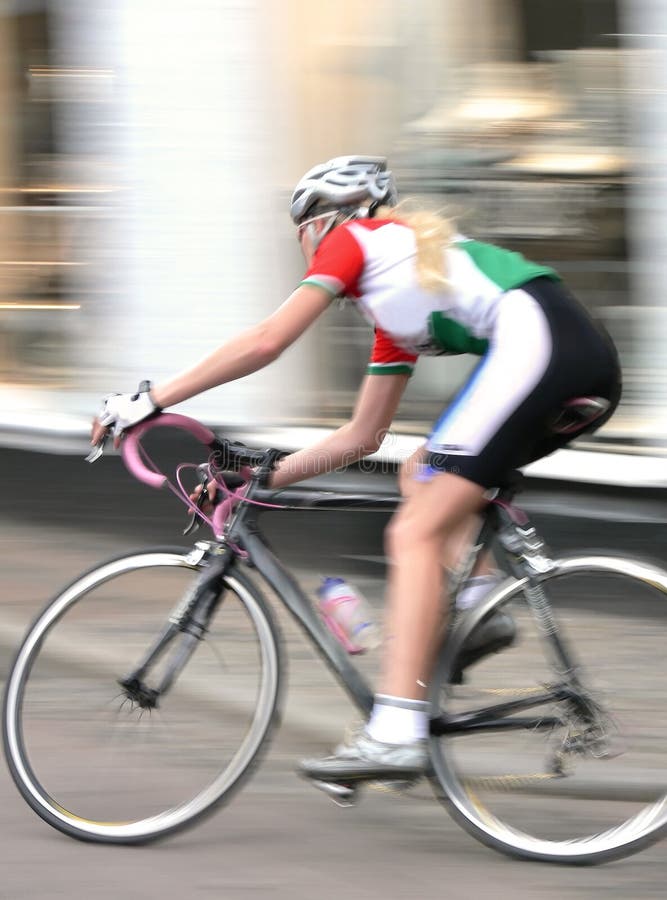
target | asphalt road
x=279, y=838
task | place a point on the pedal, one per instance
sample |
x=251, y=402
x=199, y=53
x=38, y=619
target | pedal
x=392, y=787
x=342, y=794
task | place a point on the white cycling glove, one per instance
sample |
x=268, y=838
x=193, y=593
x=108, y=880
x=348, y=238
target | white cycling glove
x=125, y=410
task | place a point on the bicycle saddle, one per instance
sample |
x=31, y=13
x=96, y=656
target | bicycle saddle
x=578, y=413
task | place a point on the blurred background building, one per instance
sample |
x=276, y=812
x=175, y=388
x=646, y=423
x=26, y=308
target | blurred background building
x=148, y=149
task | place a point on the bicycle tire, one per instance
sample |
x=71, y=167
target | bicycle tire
x=474, y=786
x=244, y=702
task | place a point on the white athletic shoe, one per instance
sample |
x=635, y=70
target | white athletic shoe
x=362, y=758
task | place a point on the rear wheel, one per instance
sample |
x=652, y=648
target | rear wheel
x=96, y=765
x=548, y=781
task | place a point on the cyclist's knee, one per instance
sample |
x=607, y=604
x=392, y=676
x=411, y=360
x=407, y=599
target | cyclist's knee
x=410, y=528
x=397, y=537
x=405, y=532
x=407, y=483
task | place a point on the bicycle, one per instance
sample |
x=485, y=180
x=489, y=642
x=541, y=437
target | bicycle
x=515, y=739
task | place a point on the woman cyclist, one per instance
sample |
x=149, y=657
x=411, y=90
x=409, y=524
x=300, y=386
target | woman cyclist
x=425, y=289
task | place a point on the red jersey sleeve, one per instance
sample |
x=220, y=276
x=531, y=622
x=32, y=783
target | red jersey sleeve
x=388, y=359
x=337, y=264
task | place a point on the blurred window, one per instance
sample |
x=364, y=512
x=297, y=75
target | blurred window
x=568, y=24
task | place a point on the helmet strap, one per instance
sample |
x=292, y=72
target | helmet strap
x=316, y=237
x=338, y=217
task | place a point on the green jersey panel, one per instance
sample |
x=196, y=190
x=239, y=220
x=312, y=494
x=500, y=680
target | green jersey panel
x=452, y=337
x=506, y=268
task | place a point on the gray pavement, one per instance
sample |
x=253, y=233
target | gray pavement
x=279, y=839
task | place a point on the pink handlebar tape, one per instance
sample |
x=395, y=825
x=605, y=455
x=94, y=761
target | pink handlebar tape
x=131, y=446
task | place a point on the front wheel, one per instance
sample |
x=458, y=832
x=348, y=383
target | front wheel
x=548, y=773
x=96, y=765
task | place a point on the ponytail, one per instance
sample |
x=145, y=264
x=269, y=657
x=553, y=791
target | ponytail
x=433, y=234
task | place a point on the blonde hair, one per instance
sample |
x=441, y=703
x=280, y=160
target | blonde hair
x=433, y=233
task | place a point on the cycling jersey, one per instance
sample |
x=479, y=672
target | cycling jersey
x=372, y=262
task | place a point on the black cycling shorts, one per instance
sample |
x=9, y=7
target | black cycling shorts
x=545, y=349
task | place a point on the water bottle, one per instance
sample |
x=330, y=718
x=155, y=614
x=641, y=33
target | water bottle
x=348, y=615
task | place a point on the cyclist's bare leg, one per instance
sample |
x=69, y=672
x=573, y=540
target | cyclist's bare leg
x=392, y=745
x=458, y=540
x=435, y=510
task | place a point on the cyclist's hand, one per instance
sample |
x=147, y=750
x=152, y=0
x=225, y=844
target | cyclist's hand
x=205, y=505
x=120, y=411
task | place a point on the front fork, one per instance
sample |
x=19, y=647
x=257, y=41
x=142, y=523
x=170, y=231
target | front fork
x=188, y=624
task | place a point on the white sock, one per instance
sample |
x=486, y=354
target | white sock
x=475, y=589
x=398, y=720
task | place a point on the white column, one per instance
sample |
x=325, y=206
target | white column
x=195, y=230
x=644, y=24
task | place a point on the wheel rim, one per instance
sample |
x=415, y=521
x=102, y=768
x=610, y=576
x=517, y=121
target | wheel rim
x=638, y=811
x=26, y=771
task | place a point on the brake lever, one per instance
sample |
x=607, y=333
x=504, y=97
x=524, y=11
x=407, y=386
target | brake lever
x=98, y=449
x=193, y=522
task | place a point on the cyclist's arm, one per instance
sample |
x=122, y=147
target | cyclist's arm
x=374, y=411
x=249, y=351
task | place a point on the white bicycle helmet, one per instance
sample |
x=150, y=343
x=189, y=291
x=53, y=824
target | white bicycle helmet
x=343, y=182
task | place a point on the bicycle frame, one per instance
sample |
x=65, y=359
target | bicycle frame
x=245, y=543
x=242, y=540
x=498, y=716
